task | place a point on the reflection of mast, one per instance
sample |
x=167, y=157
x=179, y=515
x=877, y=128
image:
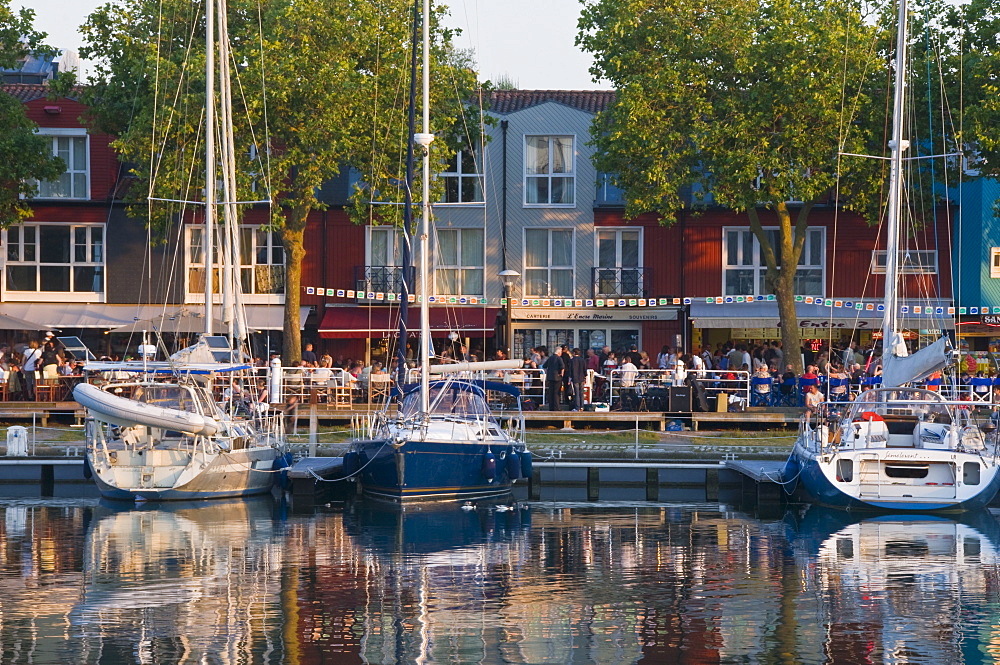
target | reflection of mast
x=206, y=570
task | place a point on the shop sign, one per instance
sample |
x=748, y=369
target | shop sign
x=566, y=314
x=990, y=319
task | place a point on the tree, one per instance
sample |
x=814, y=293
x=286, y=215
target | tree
x=25, y=156
x=751, y=101
x=320, y=86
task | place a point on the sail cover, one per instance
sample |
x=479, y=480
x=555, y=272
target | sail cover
x=897, y=370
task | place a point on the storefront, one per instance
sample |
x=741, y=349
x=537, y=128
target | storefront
x=621, y=329
x=758, y=322
x=371, y=333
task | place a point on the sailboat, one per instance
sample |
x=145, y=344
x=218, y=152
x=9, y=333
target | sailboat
x=898, y=447
x=169, y=430
x=443, y=442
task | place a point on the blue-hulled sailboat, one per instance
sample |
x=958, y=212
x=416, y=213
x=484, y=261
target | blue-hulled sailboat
x=444, y=442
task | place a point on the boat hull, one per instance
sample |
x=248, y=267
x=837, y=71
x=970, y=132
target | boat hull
x=432, y=470
x=203, y=476
x=816, y=477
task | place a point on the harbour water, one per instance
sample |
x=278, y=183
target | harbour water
x=241, y=582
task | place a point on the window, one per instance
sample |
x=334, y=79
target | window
x=463, y=182
x=911, y=262
x=383, y=246
x=262, y=262
x=995, y=262
x=744, y=268
x=55, y=258
x=382, y=272
x=618, y=271
x=459, y=269
x=549, y=173
x=74, y=183
x=548, y=262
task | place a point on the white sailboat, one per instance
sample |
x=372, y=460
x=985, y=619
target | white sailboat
x=162, y=430
x=443, y=443
x=897, y=447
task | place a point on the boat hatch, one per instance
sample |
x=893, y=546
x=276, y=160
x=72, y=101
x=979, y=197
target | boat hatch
x=906, y=470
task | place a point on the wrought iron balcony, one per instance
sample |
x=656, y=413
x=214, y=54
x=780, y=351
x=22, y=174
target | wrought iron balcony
x=619, y=282
x=380, y=279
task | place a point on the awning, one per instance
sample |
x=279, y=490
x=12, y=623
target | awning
x=103, y=315
x=811, y=317
x=363, y=322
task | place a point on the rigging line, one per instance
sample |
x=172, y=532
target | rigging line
x=267, y=125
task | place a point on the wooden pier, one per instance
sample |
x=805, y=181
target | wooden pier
x=43, y=412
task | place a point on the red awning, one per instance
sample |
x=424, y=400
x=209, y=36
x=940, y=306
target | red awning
x=363, y=322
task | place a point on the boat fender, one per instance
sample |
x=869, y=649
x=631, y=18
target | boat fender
x=489, y=467
x=281, y=465
x=88, y=472
x=513, y=465
x=526, y=464
x=351, y=464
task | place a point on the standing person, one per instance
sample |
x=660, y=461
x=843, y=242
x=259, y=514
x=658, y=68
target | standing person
x=49, y=357
x=553, y=366
x=577, y=375
x=309, y=355
x=593, y=361
x=567, y=382
x=662, y=356
x=32, y=356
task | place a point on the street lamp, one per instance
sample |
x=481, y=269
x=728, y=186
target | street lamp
x=509, y=279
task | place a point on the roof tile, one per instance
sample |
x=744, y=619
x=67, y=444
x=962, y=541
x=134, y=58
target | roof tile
x=511, y=101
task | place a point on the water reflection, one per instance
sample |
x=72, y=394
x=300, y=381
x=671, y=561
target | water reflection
x=241, y=582
x=179, y=582
x=903, y=588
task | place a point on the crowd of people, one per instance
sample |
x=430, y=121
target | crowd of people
x=23, y=366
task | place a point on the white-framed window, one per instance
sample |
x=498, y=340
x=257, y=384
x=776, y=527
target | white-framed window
x=72, y=145
x=463, y=179
x=550, y=171
x=548, y=263
x=744, y=268
x=995, y=262
x=385, y=245
x=911, y=262
x=460, y=262
x=55, y=258
x=619, y=262
x=262, y=262
x=383, y=257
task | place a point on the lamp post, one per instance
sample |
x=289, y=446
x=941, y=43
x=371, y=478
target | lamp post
x=509, y=279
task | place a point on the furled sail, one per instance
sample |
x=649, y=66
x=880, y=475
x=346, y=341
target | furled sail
x=897, y=370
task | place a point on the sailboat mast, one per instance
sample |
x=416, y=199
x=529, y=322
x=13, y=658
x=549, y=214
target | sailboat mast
x=207, y=239
x=424, y=139
x=897, y=146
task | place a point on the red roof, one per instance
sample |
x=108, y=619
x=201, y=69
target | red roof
x=511, y=101
x=29, y=92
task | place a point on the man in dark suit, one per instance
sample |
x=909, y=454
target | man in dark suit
x=577, y=376
x=553, y=366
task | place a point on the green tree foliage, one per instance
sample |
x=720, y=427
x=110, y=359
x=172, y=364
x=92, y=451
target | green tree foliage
x=25, y=156
x=751, y=101
x=319, y=85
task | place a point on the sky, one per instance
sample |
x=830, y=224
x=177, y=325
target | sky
x=529, y=41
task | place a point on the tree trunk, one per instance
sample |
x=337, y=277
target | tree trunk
x=782, y=281
x=292, y=237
